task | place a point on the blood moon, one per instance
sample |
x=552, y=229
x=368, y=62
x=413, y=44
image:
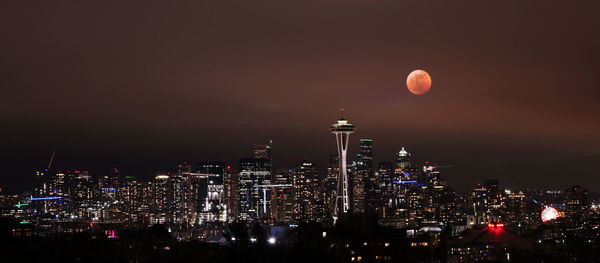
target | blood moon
x=418, y=82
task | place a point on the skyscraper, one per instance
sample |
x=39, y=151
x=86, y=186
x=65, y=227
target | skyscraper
x=330, y=183
x=307, y=206
x=342, y=130
x=254, y=173
x=213, y=194
x=282, y=201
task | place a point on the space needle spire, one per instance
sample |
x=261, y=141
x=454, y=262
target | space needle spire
x=342, y=130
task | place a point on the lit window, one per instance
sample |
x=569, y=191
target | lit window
x=365, y=244
x=386, y=244
x=359, y=258
x=352, y=259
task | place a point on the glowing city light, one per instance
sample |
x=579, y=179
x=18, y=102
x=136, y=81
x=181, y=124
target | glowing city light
x=271, y=240
x=44, y=198
x=404, y=182
x=549, y=213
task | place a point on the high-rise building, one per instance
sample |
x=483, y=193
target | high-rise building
x=254, y=175
x=282, y=201
x=372, y=190
x=307, y=197
x=212, y=197
x=363, y=178
x=232, y=196
x=159, y=205
x=330, y=184
x=342, y=130
x=576, y=204
x=385, y=174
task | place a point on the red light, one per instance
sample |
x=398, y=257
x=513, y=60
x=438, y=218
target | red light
x=490, y=225
x=499, y=225
x=228, y=167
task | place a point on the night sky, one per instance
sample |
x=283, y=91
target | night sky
x=141, y=85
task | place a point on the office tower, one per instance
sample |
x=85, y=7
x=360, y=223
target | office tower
x=362, y=174
x=81, y=190
x=342, y=130
x=212, y=193
x=306, y=192
x=254, y=176
x=330, y=183
x=182, y=208
x=160, y=196
x=128, y=196
x=403, y=159
x=478, y=206
x=372, y=193
x=282, y=202
x=495, y=195
x=576, y=204
x=232, y=199
x=405, y=169
x=439, y=200
x=385, y=174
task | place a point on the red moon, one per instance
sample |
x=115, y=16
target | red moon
x=418, y=82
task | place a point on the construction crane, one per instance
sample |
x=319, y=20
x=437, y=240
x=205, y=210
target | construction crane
x=51, y=160
x=264, y=188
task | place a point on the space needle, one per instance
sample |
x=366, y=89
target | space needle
x=342, y=130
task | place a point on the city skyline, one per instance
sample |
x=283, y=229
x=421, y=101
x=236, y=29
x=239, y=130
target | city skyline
x=300, y=131
x=127, y=86
x=150, y=170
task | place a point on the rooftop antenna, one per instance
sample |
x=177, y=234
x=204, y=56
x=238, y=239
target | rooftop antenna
x=342, y=110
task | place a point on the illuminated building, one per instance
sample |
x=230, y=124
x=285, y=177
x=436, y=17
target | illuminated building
x=576, y=204
x=405, y=171
x=159, y=206
x=477, y=210
x=364, y=181
x=307, y=196
x=520, y=209
x=330, y=183
x=253, y=202
x=211, y=195
x=232, y=197
x=342, y=130
x=282, y=202
x=385, y=174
